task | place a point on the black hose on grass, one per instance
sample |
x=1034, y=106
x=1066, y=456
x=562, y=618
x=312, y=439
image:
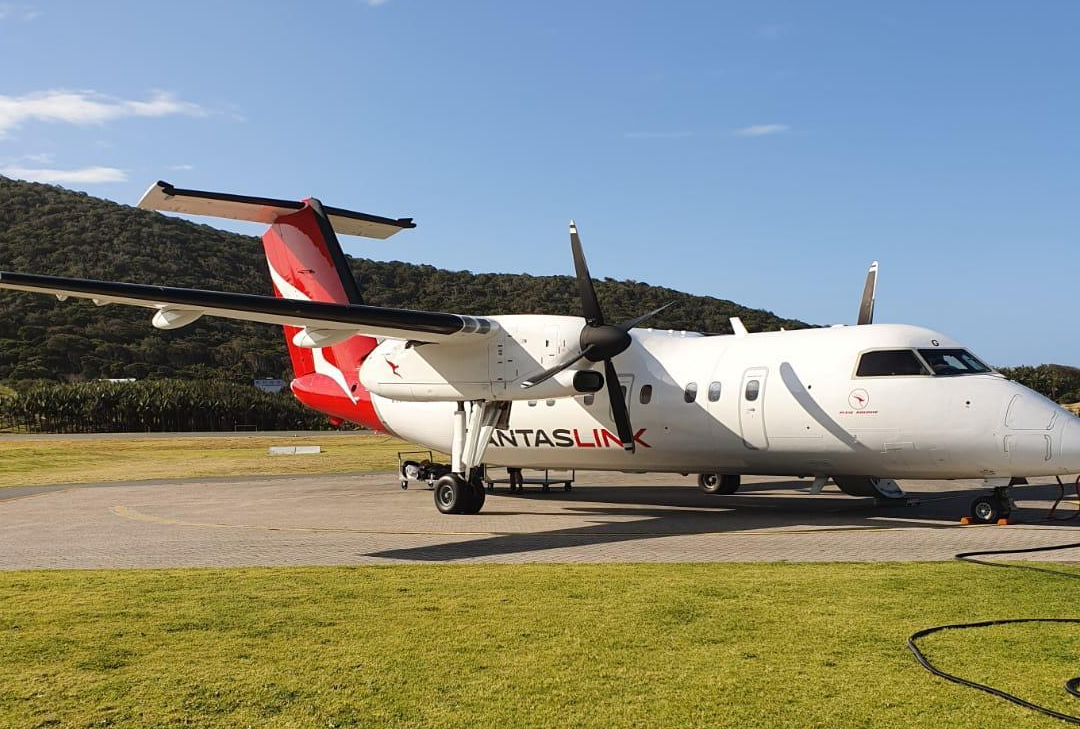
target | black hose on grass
x=1072, y=686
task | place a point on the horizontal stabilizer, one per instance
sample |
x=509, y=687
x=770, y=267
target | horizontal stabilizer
x=164, y=197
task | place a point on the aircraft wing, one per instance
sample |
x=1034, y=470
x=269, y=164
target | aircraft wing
x=327, y=323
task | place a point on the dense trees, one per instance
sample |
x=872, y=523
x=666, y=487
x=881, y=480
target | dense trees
x=1057, y=382
x=46, y=229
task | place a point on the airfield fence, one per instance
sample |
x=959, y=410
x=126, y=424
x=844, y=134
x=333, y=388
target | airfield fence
x=152, y=406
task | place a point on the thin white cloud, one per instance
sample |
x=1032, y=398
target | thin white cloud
x=15, y=11
x=658, y=135
x=761, y=130
x=183, y=168
x=84, y=176
x=86, y=107
x=375, y=3
x=45, y=158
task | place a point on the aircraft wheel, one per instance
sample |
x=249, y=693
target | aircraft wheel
x=986, y=510
x=479, y=496
x=709, y=482
x=729, y=483
x=453, y=494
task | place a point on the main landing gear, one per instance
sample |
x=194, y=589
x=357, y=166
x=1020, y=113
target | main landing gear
x=718, y=483
x=455, y=495
x=988, y=508
x=462, y=490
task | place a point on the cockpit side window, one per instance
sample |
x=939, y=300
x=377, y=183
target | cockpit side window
x=953, y=362
x=890, y=363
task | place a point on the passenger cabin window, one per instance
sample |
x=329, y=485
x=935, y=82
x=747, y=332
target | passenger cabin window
x=714, y=391
x=690, y=393
x=753, y=388
x=953, y=362
x=645, y=396
x=890, y=363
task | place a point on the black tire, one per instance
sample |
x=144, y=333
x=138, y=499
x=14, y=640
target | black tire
x=453, y=494
x=478, y=497
x=709, y=482
x=985, y=510
x=729, y=483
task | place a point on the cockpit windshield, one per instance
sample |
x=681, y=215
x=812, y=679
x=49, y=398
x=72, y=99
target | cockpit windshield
x=890, y=363
x=953, y=362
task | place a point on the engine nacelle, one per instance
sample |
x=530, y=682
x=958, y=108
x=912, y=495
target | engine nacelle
x=493, y=370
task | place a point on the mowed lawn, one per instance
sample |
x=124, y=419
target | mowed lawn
x=719, y=645
x=35, y=462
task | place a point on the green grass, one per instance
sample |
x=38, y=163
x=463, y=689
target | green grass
x=26, y=461
x=730, y=645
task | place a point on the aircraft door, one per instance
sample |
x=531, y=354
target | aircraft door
x=752, y=409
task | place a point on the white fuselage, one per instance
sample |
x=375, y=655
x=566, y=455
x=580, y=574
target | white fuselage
x=812, y=415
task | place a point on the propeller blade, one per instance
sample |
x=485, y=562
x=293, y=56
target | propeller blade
x=618, y=406
x=631, y=323
x=866, y=307
x=555, y=369
x=590, y=306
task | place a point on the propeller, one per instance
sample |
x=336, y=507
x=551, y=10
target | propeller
x=599, y=342
x=866, y=306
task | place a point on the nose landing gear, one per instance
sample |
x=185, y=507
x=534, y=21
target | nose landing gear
x=989, y=508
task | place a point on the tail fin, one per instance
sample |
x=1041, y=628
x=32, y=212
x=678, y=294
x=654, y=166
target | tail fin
x=306, y=262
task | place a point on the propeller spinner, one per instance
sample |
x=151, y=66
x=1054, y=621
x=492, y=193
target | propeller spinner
x=599, y=342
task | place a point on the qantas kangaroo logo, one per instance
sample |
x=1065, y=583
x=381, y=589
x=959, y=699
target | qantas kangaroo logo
x=393, y=367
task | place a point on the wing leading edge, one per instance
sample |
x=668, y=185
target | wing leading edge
x=179, y=306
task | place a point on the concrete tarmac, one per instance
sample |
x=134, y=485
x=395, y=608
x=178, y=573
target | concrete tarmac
x=367, y=519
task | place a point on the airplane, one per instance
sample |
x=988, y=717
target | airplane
x=863, y=405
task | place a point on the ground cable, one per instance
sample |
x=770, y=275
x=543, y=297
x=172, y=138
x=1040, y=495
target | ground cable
x=1072, y=686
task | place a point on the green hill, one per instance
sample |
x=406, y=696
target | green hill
x=51, y=230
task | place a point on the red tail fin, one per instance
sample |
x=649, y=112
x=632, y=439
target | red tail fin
x=306, y=262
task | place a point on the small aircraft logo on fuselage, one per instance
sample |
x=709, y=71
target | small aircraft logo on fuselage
x=859, y=399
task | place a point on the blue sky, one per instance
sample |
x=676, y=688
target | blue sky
x=763, y=152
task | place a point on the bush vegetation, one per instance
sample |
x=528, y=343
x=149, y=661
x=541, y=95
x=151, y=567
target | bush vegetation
x=152, y=405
